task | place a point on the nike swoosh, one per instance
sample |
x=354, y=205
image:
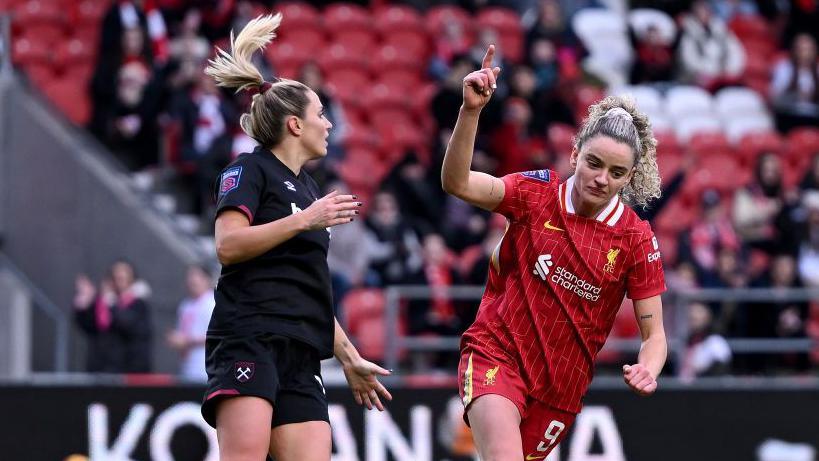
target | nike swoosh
x=530, y=457
x=548, y=225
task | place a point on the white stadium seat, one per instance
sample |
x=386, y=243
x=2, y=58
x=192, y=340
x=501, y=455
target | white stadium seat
x=685, y=128
x=641, y=18
x=735, y=101
x=682, y=101
x=648, y=99
x=738, y=126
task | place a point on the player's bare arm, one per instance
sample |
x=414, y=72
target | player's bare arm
x=237, y=240
x=479, y=189
x=361, y=374
x=642, y=376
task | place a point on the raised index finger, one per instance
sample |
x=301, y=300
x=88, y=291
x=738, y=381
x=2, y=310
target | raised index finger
x=487, y=58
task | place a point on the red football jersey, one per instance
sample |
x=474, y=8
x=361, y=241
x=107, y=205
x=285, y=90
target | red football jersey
x=556, y=282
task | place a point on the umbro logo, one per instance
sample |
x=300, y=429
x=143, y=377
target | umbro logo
x=548, y=225
x=290, y=186
x=544, y=262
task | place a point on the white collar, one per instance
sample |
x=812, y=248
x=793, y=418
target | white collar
x=610, y=214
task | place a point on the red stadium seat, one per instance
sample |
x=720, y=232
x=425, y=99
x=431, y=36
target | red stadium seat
x=390, y=56
x=39, y=74
x=347, y=84
x=803, y=141
x=287, y=55
x=381, y=96
x=361, y=137
x=71, y=98
x=346, y=16
x=512, y=44
x=79, y=73
x=750, y=26
x=30, y=50
x=718, y=170
x=310, y=39
x=398, y=18
x=406, y=80
x=338, y=57
x=669, y=163
x=676, y=216
x=73, y=52
x=363, y=311
x=88, y=13
x=362, y=41
x=502, y=20
x=40, y=18
x=753, y=144
x=667, y=143
x=437, y=17
x=704, y=143
x=298, y=15
x=414, y=44
x=362, y=169
x=422, y=95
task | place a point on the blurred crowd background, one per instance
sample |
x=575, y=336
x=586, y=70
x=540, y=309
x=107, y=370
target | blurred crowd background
x=731, y=87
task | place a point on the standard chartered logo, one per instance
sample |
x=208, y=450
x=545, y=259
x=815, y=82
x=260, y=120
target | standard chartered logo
x=564, y=278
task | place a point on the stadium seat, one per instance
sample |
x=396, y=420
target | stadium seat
x=666, y=142
x=390, y=56
x=669, y=247
x=311, y=39
x=500, y=19
x=39, y=74
x=346, y=84
x=750, y=25
x=739, y=125
x=640, y=19
x=682, y=101
x=337, y=57
x=705, y=143
x=41, y=18
x=763, y=47
x=363, y=311
x=346, y=16
x=736, y=101
x=591, y=23
x=287, y=55
x=298, y=15
x=362, y=170
x=438, y=16
x=648, y=99
x=71, y=98
x=585, y=96
x=675, y=217
x=88, y=13
x=361, y=136
x=400, y=79
x=398, y=18
x=361, y=41
x=751, y=145
x=669, y=163
x=30, y=50
x=414, y=44
x=690, y=126
x=803, y=144
x=72, y=52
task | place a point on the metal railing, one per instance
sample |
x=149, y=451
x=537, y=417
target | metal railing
x=677, y=301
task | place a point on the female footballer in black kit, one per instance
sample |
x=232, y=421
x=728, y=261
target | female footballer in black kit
x=273, y=320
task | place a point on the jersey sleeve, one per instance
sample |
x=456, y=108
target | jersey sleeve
x=240, y=188
x=514, y=203
x=646, y=278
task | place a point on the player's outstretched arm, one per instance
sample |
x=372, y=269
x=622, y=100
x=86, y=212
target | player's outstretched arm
x=479, y=189
x=237, y=240
x=362, y=375
x=642, y=376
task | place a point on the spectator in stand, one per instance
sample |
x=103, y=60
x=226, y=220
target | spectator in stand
x=349, y=255
x=450, y=45
x=783, y=319
x=809, y=249
x=811, y=179
x=311, y=76
x=117, y=321
x=193, y=317
x=653, y=56
x=713, y=232
x=438, y=314
x=727, y=273
x=795, y=86
x=189, y=50
x=206, y=116
x=513, y=144
x=541, y=84
x=398, y=253
x=710, y=54
x=447, y=101
x=761, y=208
x=707, y=352
x=125, y=95
x=416, y=193
x=546, y=20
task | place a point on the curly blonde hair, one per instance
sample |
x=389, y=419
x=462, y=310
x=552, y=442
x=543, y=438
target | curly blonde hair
x=273, y=102
x=618, y=118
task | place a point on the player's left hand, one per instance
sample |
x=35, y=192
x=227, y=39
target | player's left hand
x=639, y=379
x=362, y=378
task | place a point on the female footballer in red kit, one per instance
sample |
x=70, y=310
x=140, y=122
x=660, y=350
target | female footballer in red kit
x=572, y=250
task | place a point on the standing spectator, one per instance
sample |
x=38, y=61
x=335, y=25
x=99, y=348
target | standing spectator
x=654, y=56
x=713, y=232
x=399, y=250
x=758, y=206
x=795, y=86
x=707, y=352
x=189, y=49
x=710, y=54
x=513, y=144
x=416, y=192
x=809, y=250
x=116, y=320
x=193, y=317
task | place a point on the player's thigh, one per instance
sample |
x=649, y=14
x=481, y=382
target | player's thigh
x=307, y=441
x=543, y=428
x=495, y=422
x=243, y=428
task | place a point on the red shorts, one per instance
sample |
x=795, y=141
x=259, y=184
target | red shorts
x=542, y=427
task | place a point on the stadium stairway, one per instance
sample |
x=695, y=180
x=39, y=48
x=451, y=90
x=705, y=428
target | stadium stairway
x=66, y=208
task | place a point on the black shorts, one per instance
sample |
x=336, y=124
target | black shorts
x=284, y=371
